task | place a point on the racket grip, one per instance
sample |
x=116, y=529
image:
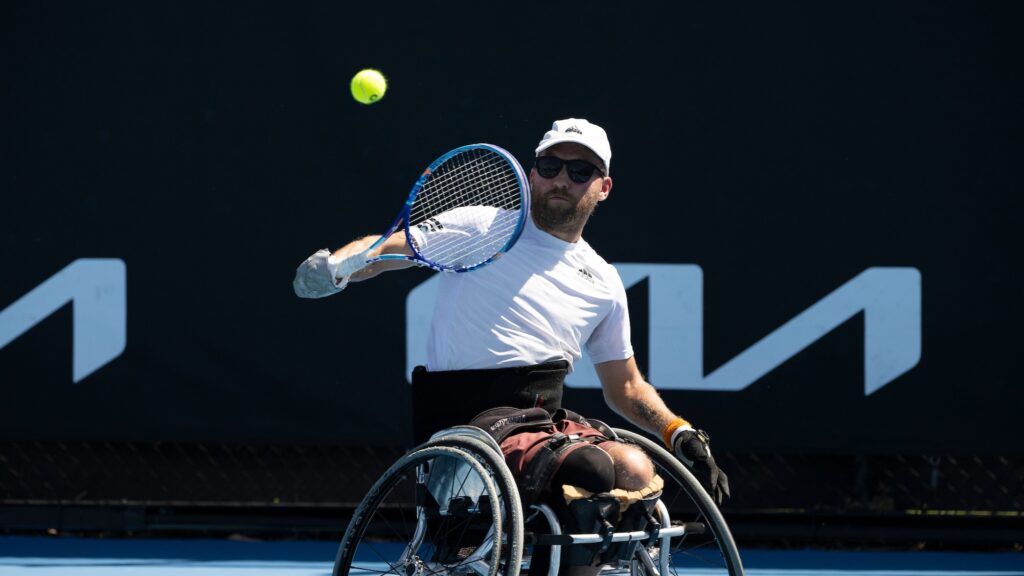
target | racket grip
x=343, y=267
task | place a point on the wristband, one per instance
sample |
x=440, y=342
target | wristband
x=679, y=431
x=667, y=433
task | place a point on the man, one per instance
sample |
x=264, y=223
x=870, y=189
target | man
x=521, y=322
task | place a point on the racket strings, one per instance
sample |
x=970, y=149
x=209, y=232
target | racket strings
x=485, y=174
x=497, y=198
x=494, y=200
x=473, y=185
x=482, y=247
x=460, y=173
x=499, y=226
x=482, y=181
x=490, y=189
x=477, y=231
x=479, y=193
x=449, y=182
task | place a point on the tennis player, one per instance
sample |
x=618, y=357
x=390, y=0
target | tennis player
x=508, y=334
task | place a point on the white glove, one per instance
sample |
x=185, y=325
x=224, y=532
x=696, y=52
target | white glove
x=315, y=279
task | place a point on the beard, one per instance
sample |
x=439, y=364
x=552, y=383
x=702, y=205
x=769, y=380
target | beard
x=562, y=216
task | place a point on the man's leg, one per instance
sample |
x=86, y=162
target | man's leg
x=633, y=469
x=613, y=465
x=586, y=467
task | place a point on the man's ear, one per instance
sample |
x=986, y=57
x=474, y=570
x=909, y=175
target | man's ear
x=606, y=187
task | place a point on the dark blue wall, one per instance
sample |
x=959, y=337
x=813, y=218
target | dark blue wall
x=782, y=147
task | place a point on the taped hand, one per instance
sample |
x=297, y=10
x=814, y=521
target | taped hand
x=314, y=278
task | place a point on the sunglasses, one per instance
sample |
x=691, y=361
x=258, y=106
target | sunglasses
x=579, y=171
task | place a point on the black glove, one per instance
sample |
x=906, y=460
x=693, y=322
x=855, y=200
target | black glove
x=693, y=449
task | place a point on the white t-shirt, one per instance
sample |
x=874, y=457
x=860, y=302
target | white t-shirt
x=541, y=301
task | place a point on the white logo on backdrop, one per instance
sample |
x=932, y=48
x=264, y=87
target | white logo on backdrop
x=97, y=289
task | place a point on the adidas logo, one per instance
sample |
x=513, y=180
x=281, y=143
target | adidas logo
x=586, y=274
x=574, y=129
x=430, y=225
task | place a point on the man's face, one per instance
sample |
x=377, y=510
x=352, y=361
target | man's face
x=561, y=204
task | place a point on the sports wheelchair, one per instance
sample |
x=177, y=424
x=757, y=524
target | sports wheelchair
x=451, y=507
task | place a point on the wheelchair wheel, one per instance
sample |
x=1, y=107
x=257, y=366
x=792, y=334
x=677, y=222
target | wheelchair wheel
x=708, y=546
x=436, y=511
x=511, y=507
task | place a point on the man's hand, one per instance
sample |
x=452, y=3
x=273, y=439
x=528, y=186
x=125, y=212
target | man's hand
x=693, y=449
x=314, y=279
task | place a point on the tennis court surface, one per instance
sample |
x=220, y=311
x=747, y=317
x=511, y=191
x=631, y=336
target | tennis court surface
x=46, y=556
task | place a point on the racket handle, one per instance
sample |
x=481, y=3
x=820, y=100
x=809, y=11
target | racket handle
x=343, y=267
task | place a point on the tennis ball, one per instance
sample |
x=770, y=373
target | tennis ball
x=368, y=86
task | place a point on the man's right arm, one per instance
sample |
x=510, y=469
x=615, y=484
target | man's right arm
x=315, y=277
x=395, y=244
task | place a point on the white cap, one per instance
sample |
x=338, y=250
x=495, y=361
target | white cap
x=581, y=132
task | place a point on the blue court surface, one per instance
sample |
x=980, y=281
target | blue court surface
x=46, y=556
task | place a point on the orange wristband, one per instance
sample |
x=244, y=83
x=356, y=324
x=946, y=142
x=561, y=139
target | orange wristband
x=666, y=432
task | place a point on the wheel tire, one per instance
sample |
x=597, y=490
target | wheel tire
x=511, y=505
x=366, y=514
x=706, y=510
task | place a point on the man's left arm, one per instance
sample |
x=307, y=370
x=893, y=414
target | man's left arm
x=632, y=397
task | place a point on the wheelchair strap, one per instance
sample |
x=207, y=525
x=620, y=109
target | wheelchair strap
x=566, y=414
x=503, y=421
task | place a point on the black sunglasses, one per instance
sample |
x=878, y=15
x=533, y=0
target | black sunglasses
x=579, y=171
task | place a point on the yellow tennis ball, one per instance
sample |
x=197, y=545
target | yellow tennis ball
x=368, y=86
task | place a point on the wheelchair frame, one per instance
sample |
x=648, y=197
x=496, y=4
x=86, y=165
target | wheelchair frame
x=471, y=484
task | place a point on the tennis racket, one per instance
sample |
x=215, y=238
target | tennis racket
x=467, y=208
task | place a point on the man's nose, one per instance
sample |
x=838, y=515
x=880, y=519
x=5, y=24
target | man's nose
x=562, y=178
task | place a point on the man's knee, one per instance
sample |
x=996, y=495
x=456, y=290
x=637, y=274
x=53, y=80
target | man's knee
x=633, y=469
x=606, y=466
x=587, y=467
